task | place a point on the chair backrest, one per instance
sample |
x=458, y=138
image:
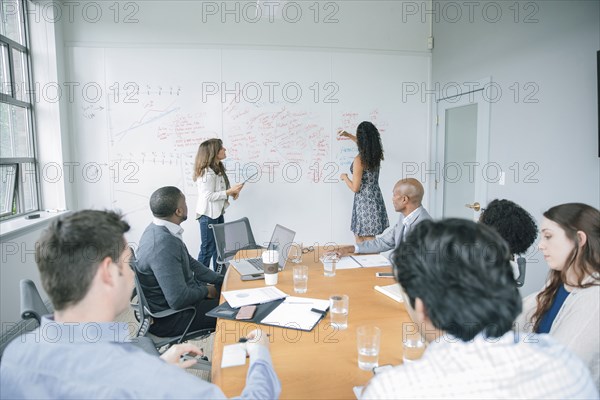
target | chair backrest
x=521, y=263
x=145, y=315
x=231, y=237
x=140, y=307
x=32, y=305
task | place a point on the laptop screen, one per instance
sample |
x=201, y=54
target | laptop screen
x=281, y=241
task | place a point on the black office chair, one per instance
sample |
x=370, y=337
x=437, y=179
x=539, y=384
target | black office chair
x=231, y=237
x=32, y=305
x=521, y=263
x=145, y=315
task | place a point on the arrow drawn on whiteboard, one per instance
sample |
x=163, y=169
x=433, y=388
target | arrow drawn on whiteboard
x=148, y=117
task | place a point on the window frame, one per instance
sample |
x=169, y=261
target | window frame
x=18, y=196
x=9, y=186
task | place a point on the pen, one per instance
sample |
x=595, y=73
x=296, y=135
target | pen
x=244, y=340
x=318, y=311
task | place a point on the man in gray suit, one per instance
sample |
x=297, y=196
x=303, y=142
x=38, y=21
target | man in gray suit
x=407, y=197
x=169, y=276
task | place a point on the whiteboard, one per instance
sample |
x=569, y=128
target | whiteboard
x=277, y=112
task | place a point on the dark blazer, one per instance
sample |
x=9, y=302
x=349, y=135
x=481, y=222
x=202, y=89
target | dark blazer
x=169, y=276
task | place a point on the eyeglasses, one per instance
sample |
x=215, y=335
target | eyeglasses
x=306, y=250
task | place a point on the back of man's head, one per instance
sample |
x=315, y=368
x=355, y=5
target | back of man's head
x=461, y=272
x=164, y=201
x=69, y=252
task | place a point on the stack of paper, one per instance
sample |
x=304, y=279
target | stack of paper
x=371, y=260
x=244, y=297
x=392, y=291
x=363, y=261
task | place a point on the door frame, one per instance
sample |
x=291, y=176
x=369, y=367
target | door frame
x=437, y=160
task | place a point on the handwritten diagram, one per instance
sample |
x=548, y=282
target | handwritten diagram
x=276, y=135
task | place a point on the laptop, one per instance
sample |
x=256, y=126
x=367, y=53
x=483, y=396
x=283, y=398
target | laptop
x=281, y=240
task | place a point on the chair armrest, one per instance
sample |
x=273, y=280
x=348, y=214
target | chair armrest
x=170, y=311
x=202, y=365
x=32, y=305
x=146, y=344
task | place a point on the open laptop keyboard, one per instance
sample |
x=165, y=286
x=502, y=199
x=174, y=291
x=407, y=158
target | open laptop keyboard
x=256, y=263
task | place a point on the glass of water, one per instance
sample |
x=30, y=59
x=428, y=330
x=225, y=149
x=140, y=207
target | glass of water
x=300, y=278
x=368, y=338
x=413, y=348
x=295, y=253
x=329, y=261
x=338, y=310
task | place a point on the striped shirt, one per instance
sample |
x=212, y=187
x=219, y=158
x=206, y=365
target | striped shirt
x=512, y=366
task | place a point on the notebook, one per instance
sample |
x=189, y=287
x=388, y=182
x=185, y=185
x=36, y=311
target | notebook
x=392, y=291
x=281, y=240
x=298, y=313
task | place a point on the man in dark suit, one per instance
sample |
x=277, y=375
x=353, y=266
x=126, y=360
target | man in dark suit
x=169, y=276
x=407, y=197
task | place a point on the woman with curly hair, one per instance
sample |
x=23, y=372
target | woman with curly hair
x=516, y=226
x=568, y=307
x=369, y=216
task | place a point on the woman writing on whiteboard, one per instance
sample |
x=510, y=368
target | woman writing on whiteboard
x=213, y=194
x=369, y=216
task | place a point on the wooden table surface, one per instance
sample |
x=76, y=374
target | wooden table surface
x=322, y=363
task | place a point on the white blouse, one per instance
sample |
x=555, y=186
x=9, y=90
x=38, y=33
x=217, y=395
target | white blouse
x=575, y=326
x=212, y=199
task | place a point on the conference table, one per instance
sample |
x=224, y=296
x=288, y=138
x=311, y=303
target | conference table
x=322, y=363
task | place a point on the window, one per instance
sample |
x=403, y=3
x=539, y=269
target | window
x=18, y=166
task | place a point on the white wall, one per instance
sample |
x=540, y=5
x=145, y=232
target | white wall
x=553, y=61
x=367, y=24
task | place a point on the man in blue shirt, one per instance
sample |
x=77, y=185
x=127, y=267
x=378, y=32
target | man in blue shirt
x=79, y=352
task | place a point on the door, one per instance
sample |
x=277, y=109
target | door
x=461, y=153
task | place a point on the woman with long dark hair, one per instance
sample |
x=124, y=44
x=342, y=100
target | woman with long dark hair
x=568, y=307
x=369, y=216
x=213, y=194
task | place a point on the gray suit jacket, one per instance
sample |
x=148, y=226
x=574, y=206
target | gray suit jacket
x=169, y=276
x=392, y=238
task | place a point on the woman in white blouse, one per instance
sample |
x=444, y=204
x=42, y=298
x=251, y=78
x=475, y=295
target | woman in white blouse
x=213, y=194
x=568, y=307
